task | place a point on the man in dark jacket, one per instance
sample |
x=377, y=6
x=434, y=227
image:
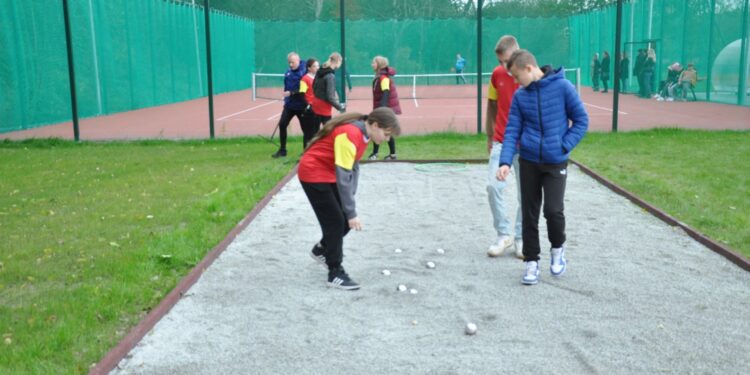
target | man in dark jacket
x=294, y=100
x=539, y=119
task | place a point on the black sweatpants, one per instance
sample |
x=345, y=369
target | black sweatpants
x=310, y=126
x=286, y=117
x=326, y=203
x=537, y=180
x=391, y=146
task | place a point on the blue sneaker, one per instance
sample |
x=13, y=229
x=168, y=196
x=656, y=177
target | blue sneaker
x=532, y=273
x=558, y=262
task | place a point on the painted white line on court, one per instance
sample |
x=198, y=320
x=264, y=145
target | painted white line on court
x=416, y=103
x=604, y=108
x=247, y=110
x=274, y=116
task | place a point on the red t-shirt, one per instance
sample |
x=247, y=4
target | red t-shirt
x=306, y=87
x=502, y=88
x=343, y=147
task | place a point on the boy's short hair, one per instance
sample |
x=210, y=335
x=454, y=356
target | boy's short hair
x=506, y=43
x=521, y=59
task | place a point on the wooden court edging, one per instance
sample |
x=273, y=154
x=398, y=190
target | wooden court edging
x=114, y=356
x=717, y=247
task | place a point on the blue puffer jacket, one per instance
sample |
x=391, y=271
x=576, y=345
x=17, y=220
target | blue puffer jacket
x=539, y=118
x=291, y=83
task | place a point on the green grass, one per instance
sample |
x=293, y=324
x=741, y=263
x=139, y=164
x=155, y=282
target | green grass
x=701, y=178
x=94, y=235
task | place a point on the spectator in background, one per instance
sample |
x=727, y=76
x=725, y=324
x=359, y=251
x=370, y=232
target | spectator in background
x=648, y=73
x=605, y=71
x=294, y=100
x=687, y=81
x=666, y=87
x=624, y=71
x=460, y=65
x=640, y=60
x=596, y=71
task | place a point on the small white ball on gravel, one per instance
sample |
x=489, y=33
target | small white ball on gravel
x=386, y=272
x=471, y=329
x=440, y=251
x=402, y=288
x=430, y=265
x=414, y=322
x=413, y=291
x=397, y=251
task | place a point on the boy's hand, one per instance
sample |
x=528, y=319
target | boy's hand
x=287, y=93
x=502, y=172
x=355, y=224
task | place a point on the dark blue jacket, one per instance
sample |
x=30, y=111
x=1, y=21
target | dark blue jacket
x=291, y=83
x=539, y=120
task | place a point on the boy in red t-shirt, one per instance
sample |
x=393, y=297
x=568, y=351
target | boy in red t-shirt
x=501, y=90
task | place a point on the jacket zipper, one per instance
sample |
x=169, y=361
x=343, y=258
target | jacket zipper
x=541, y=125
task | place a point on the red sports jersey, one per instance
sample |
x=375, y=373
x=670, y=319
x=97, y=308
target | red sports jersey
x=343, y=147
x=306, y=87
x=502, y=88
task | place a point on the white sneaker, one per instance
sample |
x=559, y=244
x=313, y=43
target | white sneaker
x=659, y=99
x=558, y=262
x=519, y=248
x=531, y=276
x=670, y=99
x=499, y=247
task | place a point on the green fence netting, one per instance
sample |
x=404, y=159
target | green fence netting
x=707, y=33
x=132, y=54
x=128, y=54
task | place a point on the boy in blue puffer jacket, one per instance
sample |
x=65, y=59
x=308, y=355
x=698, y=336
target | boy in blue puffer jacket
x=539, y=122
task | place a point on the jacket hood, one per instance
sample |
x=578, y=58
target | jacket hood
x=323, y=71
x=550, y=75
x=387, y=71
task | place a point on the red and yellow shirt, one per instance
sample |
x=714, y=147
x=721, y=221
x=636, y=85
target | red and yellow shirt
x=502, y=88
x=342, y=148
x=306, y=87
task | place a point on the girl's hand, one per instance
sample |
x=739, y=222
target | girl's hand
x=355, y=224
x=287, y=93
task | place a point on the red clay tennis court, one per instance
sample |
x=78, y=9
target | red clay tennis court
x=236, y=114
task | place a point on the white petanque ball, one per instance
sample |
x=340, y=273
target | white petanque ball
x=402, y=288
x=397, y=251
x=430, y=265
x=386, y=272
x=413, y=291
x=471, y=329
x=440, y=251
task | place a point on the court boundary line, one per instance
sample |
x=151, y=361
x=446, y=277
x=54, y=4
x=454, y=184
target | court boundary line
x=247, y=110
x=604, y=108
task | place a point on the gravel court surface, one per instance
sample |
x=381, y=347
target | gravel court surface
x=638, y=295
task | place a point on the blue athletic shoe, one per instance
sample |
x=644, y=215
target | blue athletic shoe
x=558, y=262
x=531, y=276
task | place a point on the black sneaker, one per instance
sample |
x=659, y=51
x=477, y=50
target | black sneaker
x=337, y=278
x=373, y=156
x=390, y=157
x=279, y=154
x=317, y=253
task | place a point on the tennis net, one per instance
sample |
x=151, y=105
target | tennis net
x=410, y=86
